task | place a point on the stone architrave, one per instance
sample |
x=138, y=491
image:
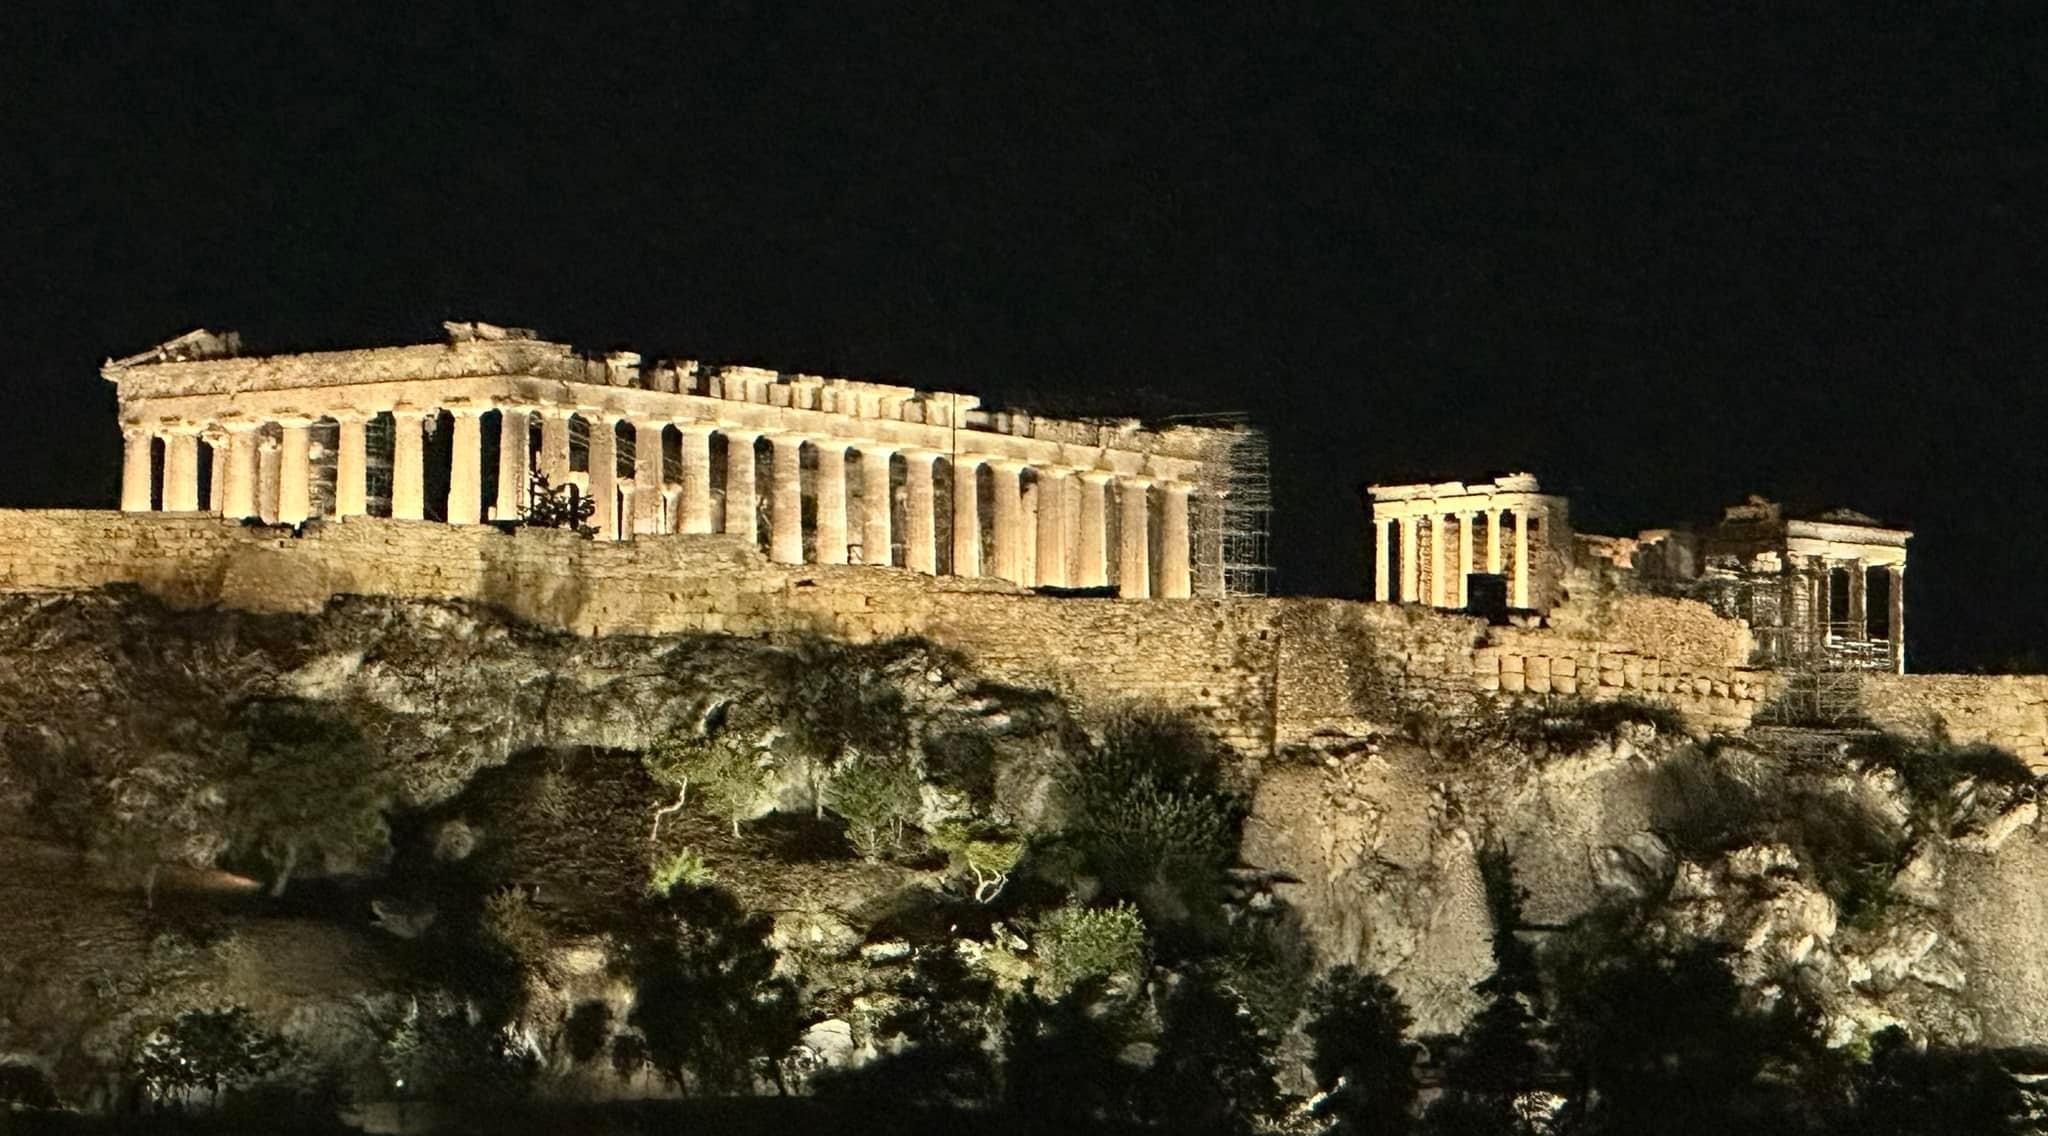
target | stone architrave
x=1134, y=549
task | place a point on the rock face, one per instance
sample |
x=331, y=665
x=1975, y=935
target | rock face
x=1947, y=937
x=512, y=759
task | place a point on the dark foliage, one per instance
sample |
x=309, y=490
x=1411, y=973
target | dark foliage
x=1362, y=1056
x=1148, y=817
x=714, y=1017
x=1906, y=1091
x=1497, y=1058
x=1062, y=1069
x=588, y=1029
x=24, y=1087
x=1661, y=1042
x=942, y=1026
x=558, y=507
x=1930, y=770
x=308, y=784
x=1215, y=1070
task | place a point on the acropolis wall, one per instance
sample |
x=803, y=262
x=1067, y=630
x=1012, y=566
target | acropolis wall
x=1268, y=672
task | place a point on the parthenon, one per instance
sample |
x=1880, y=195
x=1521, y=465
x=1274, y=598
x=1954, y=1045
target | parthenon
x=454, y=431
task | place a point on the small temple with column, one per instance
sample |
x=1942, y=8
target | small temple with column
x=818, y=470
x=1431, y=539
x=1826, y=592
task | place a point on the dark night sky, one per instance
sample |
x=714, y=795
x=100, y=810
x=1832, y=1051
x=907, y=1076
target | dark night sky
x=1661, y=261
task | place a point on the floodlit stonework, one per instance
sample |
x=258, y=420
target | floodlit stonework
x=1827, y=592
x=818, y=470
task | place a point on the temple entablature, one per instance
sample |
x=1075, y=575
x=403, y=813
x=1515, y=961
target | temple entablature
x=673, y=446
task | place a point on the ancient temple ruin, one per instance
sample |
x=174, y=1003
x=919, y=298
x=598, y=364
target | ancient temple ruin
x=820, y=470
x=1434, y=542
x=1820, y=594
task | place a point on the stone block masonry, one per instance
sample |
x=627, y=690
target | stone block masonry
x=1268, y=673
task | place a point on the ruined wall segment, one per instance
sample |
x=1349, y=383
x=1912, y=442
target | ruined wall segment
x=1268, y=673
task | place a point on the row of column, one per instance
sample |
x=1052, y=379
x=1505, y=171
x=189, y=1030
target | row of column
x=1055, y=549
x=1409, y=588
x=1820, y=603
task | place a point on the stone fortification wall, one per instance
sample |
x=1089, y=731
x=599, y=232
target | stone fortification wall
x=1268, y=672
x=2008, y=711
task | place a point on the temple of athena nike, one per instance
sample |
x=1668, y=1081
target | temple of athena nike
x=821, y=470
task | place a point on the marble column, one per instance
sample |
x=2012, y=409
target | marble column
x=216, y=484
x=1411, y=566
x=181, y=471
x=966, y=515
x=1134, y=548
x=554, y=445
x=786, y=499
x=1859, y=602
x=1091, y=534
x=294, y=471
x=1439, y=556
x=1051, y=566
x=1493, y=541
x=135, y=471
x=351, y=466
x=876, y=535
x=1897, y=629
x=742, y=507
x=604, y=476
x=694, y=515
x=1468, y=532
x=1521, y=581
x=1381, y=561
x=266, y=477
x=1175, y=581
x=466, y=468
x=1007, y=527
x=408, y=465
x=647, y=474
x=831, y=494
x=238, y=491
x=920, y=522
x=515, y=457
x=1027, y=532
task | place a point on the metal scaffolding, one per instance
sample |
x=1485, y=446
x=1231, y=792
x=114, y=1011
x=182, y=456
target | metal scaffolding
x=1235, y=503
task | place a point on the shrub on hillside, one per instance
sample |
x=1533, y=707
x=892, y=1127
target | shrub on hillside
x=308, y=784
x=1566, y=724
x=206, y=1051
x=1079, y=945
x=876, y=797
